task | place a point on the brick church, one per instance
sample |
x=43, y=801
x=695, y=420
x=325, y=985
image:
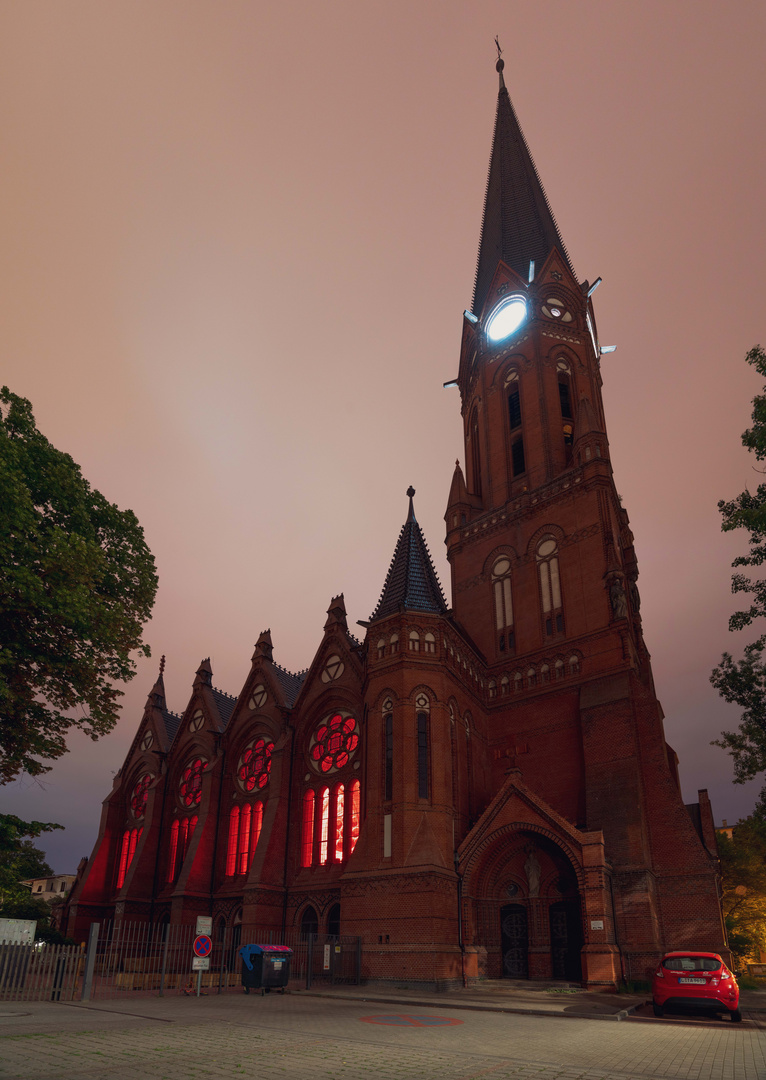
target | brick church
x=476, y=790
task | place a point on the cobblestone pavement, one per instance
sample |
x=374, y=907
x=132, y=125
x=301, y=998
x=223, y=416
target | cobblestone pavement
x=293, y=1038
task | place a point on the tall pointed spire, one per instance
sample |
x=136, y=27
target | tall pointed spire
x=411, y=583
x=518, y=225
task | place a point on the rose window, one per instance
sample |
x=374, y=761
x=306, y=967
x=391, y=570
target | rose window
x=255, y=765
x=191, y=782
x=139, y=796
x=334, y=743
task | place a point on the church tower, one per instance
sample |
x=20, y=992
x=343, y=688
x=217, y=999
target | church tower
x=544, y=585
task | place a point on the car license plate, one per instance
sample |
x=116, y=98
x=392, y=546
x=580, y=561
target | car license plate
x=697, y=982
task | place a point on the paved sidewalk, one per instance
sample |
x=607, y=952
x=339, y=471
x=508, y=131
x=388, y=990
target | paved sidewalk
x=329, y=1037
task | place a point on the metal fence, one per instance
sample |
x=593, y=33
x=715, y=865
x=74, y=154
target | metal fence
x=124, y=958
x=39, y=972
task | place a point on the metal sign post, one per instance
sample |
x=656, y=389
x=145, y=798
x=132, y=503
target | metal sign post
x=201, y=961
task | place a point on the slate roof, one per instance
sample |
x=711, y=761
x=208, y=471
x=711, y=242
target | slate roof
x=224, y=703
x=411, y=583
x=291, y=683
x=172, y=723
x=518, y=224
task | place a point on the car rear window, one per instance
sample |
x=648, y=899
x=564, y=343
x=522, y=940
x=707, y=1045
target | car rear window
x=691, y=963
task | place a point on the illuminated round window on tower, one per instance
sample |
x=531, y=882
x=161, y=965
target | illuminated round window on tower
x=506, y=318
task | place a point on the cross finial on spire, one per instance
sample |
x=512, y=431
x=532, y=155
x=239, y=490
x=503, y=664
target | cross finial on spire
x=162, y=665
x=500, y=63
x=411, y=493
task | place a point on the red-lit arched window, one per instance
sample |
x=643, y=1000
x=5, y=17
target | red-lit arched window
x=231, y=850
x=244, y=838
x=122, y=864
x=355, y=793
x=257, y=825
x=172, y=854
x=132, y=845
x=307, y=840
x=324, y=824
x=337, y=828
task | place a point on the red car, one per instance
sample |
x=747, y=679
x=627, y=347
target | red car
x=695, y=980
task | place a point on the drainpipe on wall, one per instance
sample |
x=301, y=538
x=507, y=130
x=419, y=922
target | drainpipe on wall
x=460, y=920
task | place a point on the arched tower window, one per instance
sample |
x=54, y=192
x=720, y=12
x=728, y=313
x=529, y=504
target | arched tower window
x=501, y=588
x=414, y=641
x=429, y=643
x=422, y=719
x=394, y=643
x=388, y=736
x=475, y=453
x=565, y=389
x=550, y=586
x=513, y=390
x=381, y=648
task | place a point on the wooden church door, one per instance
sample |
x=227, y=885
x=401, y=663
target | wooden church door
x=514, y=941
x=566, y=940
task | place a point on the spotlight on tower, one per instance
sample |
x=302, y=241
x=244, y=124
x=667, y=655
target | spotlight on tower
x=531, y=271
x=607, y=349
x=452, y=382
x=470, y=316
x=594, y=286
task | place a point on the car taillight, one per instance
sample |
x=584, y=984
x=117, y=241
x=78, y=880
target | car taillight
x=658, y=973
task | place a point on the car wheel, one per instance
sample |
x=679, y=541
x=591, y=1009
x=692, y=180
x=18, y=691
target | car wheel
x=736, y=1016
x=658, y=1009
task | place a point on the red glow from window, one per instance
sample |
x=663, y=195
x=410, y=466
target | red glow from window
x=191, y=782
x=255, y=765
x=338, y=829
x=140, y=795
x=231, y=850
x=244, y=838
x=334, y=743
x=355, y=801
x=123, y=863
x=324, y=828
x=307, y=846
x=257, y=825
x=132, y=846
x=173, y=851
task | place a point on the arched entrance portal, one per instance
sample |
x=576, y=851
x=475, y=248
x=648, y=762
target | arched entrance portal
x=526, y=912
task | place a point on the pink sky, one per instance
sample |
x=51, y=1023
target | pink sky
x=236, y=241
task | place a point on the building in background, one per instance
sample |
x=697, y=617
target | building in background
x=476, y=790
x=50, y=888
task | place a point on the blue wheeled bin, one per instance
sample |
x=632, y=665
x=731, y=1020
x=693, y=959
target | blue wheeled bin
x=265, y=967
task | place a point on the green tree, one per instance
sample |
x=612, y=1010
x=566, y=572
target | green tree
x=77, y=583
x=743, y=682
x=743, y=884
x=17, y=856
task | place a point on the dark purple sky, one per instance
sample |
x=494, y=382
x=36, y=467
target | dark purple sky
x=236, y=241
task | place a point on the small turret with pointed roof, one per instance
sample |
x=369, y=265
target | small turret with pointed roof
x=336, y=613
x=411, y=583
x=518, y=226
x=264, y=649
x=204, y=674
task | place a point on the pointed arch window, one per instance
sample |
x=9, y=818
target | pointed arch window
x=128, y=846
x=324, y=824
x=565, y=389
x=307, y=844
x=231, y=848
x=173, y=851
x=422, y=721
x=180, y=837
x=355, y=792
x=244, y=838
x=550, y=586
x=337, y=824
x=503, y=599
x=475, y=454
x=388, y=728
